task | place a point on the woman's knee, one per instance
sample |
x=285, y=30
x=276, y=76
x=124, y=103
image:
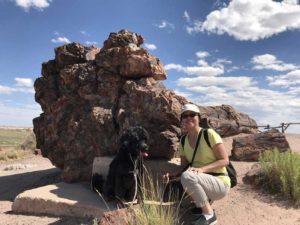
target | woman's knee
x=187, y=178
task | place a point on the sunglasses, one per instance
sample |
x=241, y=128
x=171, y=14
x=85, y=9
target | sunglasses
x=188, y=115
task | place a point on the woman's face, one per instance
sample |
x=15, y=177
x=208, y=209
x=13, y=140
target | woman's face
x=190, y=120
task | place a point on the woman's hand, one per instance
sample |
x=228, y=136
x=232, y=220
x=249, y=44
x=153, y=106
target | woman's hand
x=195, y=170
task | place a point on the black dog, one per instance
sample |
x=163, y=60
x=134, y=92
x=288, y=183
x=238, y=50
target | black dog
x=122, y=181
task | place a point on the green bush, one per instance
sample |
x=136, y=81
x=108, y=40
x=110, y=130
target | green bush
x=281, y=173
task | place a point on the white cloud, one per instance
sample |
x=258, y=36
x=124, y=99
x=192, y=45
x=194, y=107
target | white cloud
x=202, y=62
x=268, y=61
x=18, y=115
x=202, y=54
x=228, y=82
x=186, y=16
x=220, y=63
x=24, y=85
x=265, y=105
x=38, y=4
x=219, y=4
x=61, y=40
x=91, y=42
x=195, y=70
x=6, y=89
x=233, y=68
x=23, y=82
x=290, y=79
x=150, y=46
x=164, y=24
x=196, y=27
x=251, y=19
x=294, y=90
x=83, y=32
x=202, y=69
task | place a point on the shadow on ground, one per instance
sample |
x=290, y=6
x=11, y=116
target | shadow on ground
x=12, y=185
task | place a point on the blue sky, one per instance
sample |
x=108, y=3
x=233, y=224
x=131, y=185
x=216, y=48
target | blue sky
x=244, y=53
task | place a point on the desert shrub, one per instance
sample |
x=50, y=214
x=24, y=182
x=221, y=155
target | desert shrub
x=29, y=143
x=10, y=155
x=281, y=173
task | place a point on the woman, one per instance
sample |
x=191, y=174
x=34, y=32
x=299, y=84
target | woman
x=201, y=186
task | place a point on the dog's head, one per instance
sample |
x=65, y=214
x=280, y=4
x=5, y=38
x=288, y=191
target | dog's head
x=135, y=141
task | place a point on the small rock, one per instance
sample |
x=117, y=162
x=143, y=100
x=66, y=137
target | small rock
x=252, y=174
x=118, y=217
x=37, y=152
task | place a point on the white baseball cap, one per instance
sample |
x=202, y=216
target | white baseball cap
x=190, y=107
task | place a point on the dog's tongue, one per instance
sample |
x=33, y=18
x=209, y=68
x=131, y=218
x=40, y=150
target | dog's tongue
x=145, y=154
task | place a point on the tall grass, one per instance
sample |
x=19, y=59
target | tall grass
x=281, y=173
x=153, y=211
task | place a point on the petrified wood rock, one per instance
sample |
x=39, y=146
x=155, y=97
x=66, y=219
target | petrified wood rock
x=249, y=147
x=90, y=95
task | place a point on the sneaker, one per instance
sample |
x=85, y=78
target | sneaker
x=202, y=220
x=196, y=211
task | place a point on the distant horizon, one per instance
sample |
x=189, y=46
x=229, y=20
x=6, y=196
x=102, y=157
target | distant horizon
x=27, y=127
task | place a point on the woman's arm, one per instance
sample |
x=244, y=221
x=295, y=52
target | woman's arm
x=222, y=160
x=183, y=164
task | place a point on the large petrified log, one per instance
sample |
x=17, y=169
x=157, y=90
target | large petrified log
x=249, y=147
x=90, y=95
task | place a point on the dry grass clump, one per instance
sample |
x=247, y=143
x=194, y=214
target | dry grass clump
x=12, y=155
x=154, y=211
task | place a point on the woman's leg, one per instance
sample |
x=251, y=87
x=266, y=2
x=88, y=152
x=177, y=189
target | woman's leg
x=202, y=188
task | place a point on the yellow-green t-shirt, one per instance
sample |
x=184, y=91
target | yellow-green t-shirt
x=205, y=154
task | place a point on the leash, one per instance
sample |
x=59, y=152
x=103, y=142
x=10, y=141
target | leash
x=135, y=177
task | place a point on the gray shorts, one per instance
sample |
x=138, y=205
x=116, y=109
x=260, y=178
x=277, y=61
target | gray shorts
x=203, y=187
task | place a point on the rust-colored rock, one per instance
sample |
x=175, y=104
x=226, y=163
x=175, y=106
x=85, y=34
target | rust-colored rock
x=90, y=95
x=253, y=174
x=74, y=53
x=227, y=121
x=122, y=55
x=119, y=217
x=249, y=147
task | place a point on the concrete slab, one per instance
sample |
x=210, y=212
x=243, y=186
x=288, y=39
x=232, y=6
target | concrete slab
x=156, y=167
x=62, y=199
x=77, y=199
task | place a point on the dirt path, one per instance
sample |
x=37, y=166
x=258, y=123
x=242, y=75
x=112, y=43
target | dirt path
x=243, y=206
